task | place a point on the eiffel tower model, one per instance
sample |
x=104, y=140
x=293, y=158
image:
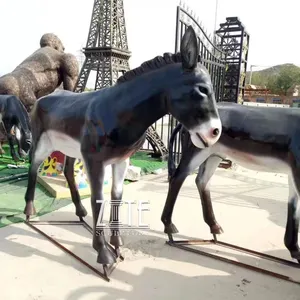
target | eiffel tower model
x=107, y=54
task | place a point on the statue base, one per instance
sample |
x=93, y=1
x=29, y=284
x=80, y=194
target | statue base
x=56, y=186
x=52, y=178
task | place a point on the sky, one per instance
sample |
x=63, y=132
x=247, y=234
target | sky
x=150, y=27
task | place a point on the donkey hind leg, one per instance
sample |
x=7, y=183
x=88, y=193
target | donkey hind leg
x=292, y=225
x=206, y=171
x=39, y=152
x=69, y=174
x=189, y=162
x=118, y=173
x=96, y=173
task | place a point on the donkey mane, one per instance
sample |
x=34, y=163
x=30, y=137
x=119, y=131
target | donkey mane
x=150, y=65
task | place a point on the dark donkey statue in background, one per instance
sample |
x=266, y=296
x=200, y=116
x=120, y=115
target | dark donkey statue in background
x=258, y=138
x=14, y=117
x=106, y=127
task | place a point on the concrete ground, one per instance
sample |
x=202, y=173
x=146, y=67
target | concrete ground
x=250, y=206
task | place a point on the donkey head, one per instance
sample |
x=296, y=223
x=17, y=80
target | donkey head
x=192, y=100
x=15, y=124
x=24, y=140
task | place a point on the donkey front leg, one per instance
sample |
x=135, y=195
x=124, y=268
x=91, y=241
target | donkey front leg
x=292, y=225
x=96, y=172
x=206, y=171
x=118, y=174
x=10, y=139
x=39, y=152
x=69, y=174
x=188, y=163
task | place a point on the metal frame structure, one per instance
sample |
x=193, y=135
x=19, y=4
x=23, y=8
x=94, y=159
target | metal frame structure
x=184, y=245
x=106, y=50
x=107, y=53
x=233, y=38
x=107, y=270
x=180, y=244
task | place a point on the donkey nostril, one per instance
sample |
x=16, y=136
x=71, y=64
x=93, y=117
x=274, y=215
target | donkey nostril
x=215, y=132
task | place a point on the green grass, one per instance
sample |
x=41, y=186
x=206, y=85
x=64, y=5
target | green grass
x=5, y=160
x=147, y=163
x=12, y=193
x=12, y=201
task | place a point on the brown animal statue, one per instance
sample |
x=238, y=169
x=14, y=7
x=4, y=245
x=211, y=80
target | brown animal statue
x=41, y=73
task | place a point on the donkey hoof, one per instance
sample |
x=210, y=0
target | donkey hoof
x=15, y=158
x=296, y=255
x=29, y=209
x=81, y=212
x=216, y=229
x=106, y=257
x=116, y=240
x=170, y=229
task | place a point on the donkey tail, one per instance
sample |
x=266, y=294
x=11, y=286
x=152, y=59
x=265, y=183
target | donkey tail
x=171, y=162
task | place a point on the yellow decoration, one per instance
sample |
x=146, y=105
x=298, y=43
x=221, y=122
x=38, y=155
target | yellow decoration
x=80, y=176
x=49, y=167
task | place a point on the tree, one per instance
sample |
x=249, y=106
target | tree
x=287, y=77
x=258, y=79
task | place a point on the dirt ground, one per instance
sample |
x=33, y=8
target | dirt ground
x=251, y=207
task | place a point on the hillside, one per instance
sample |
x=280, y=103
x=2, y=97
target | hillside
x=261, y=77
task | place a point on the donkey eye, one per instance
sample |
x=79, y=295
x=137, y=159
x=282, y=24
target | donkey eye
x=203, y=90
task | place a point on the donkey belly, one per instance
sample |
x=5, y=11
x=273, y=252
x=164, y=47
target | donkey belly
x=255, y=162
x=64, y=143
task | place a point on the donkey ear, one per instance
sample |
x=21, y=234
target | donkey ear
x=189, y=49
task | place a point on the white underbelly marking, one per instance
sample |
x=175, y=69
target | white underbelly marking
x=64, y=143
x=253, y=162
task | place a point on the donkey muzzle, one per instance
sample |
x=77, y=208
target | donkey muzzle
x=206, y=134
